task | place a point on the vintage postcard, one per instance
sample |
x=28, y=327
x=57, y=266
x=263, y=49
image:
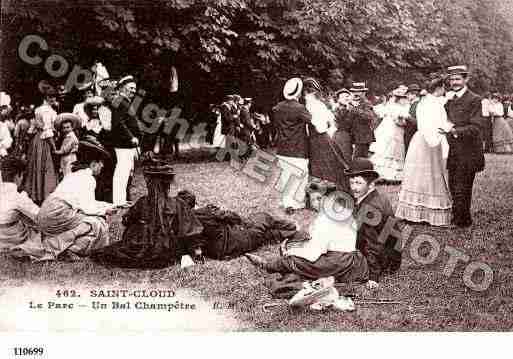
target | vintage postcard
x=189, y=166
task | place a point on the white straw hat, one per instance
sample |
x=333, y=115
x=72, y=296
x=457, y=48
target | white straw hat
x=292, y=88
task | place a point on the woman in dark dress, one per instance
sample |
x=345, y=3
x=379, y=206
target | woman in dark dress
x=159, y=229
x=325, y=162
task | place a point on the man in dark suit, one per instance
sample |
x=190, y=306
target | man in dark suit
x=465, y=144
x=362, y=118
x=290, y=119
x=411, y=123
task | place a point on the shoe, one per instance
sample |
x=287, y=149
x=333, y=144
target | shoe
x=257, y=261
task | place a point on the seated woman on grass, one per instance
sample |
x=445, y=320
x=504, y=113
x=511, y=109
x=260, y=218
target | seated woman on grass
x=17, y=211
x=340, y=246
x=71, y=220
x=159, y=229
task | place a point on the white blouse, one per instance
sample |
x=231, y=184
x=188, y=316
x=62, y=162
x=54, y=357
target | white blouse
x=83, y=198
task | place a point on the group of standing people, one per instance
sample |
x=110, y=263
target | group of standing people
x=60, y=174
x=430, y=139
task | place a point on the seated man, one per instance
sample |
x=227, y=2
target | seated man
x=71, y=220
x=227, y=235
x=17, y=211
x=335, y=248
x=372, y=241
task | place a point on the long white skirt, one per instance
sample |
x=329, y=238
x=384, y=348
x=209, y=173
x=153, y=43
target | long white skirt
x=388, y=157
x=219, y=139
x=424, y=195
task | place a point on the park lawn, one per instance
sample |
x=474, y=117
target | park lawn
x=429, y=299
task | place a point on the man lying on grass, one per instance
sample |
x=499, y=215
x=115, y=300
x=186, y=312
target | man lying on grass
x=226, y=234
x=350, y=248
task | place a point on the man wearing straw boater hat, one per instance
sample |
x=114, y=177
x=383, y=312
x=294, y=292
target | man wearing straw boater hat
x=465, y=157
x=125, y=136
x=362, y=117
x=290, y=118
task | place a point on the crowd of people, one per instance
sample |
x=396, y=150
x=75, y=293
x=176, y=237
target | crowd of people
x=63, y=173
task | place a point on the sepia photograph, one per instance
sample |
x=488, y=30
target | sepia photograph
x=255, y=166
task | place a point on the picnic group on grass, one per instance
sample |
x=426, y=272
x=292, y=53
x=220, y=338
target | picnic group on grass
x=64, y=174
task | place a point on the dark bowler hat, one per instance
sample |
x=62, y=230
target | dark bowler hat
x=358, y=87
x=414, y=88
x=160, y=171
x=362, y=167
x=89, y=149
x=457, y=70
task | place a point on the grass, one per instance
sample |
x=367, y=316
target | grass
x=430, y=300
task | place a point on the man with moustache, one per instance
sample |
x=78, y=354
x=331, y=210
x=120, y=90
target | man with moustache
x=465, y=157
x=363, y=119
x=125, y=134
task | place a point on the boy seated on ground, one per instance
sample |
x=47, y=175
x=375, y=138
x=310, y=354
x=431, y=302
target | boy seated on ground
x=347, y=247
x=227, y=235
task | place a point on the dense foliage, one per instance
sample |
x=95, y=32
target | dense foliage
x=252, y=46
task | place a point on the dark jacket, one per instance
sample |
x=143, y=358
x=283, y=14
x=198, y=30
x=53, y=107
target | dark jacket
x=290, y=119
x=227, y=121
x=124, y=125
x=466, y=149
x=380, y=254
x=362, y=119
x=227, y=235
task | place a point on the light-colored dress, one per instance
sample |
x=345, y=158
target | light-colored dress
x=73, y=220
x=5, y=139
x=388, y=149
x=219, y=138
x=425, y=195
x=502, y=133
x=68, y=152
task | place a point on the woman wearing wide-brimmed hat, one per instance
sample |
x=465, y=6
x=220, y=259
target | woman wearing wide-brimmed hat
x=42, y=174
x=71, y=220
x=159, y=228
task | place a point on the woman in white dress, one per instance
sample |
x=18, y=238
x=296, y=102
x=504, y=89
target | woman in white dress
x=388, y=157
x=424, y=195
x=219, y=138
x=502, y=134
